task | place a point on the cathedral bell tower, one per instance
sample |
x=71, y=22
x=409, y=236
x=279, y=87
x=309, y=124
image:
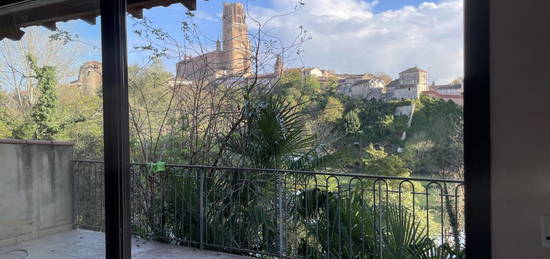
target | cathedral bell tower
x=278, y=66
x=236, y=46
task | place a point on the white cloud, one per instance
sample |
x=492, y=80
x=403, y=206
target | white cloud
x=206, y=17
x=349, y=37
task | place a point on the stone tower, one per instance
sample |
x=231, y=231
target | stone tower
x=278, y=66
x=236, y=46
x=89, y=78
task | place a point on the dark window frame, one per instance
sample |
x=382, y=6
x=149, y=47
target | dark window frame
x=116, y=129
x=477, y=128
x=477, y=146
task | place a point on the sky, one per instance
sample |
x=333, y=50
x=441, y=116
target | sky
x=349, y=36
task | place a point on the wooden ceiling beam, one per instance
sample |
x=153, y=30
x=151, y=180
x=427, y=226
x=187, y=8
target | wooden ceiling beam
x=47, y=13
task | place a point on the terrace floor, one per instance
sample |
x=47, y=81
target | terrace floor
x=85, y=244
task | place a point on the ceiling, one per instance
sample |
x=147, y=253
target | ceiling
x=18, y=14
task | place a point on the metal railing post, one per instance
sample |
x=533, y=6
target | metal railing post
x=281, y=220
x=380, y=240
x=76, y=194
x=201, y=210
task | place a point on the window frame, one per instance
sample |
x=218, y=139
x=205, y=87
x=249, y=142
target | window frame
x=477, y=145
x=477, y=126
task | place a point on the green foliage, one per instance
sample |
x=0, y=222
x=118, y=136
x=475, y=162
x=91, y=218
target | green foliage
x=5, y=127
x=337, y=227
x=24, y=130
x=151, y=112
x=273, y=136
x=436, y=117
x=378, y=162
x=352, y=123
x=82, y=123
x=43, y=112
x=435, y=145
x=346, y=225
x=298, y=90
x=333, y=110
x=377, y=123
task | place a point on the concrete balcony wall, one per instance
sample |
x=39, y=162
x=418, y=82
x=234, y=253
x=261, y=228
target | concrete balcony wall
x=36, y=189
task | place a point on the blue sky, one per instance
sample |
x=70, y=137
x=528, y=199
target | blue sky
x=349, y=36
x=385, y=5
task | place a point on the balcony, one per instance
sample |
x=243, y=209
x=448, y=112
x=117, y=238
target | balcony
x=43, y=204
x=281, y=213
x=54, y=208
x=183, y=210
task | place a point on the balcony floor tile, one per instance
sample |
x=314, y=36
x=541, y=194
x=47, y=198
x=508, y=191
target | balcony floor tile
x=86, y=244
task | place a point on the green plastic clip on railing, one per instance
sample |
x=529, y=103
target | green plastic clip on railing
x=156, y=167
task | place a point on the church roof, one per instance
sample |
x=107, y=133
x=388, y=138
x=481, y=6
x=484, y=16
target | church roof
x=414, y=69
x=92, y=62
x=450, y=86
x=393, y=84
x=363, y=81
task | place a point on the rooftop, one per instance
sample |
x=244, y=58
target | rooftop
x=414, y=69
x=449, y=86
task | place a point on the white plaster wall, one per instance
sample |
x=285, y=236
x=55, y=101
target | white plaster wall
x=520, y=127
x=315, y=72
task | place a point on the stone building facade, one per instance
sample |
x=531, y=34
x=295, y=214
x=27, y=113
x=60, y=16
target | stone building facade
x=451, y=92
x=89, y=78
x=365, y=86
x=450, y=89
x=232, y=55
x=410, y=84
x=371, y=88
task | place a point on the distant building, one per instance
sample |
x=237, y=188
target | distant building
x=450, y=89
x=457, y=99
x=232, y=55
x=308, y=71
x=365, y=86
x=410, y=84
x=89, y=78
x=371, y=88
x=450, y=92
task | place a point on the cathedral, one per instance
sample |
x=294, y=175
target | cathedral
x=232, y=54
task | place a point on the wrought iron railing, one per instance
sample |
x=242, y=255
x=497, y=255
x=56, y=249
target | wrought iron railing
x=282, y=213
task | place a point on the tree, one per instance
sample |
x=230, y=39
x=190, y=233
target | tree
x=16, y=72
x=83, y=121
x=435, y=145
x=378, y=162
x=5, y=130
x=352, y=122
x=302, y=91
x=274, y=135
x=44, y=111
x=436, y=148
x=333, y=110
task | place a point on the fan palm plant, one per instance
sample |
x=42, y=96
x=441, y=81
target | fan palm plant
x=344, y=225
x=273, y=135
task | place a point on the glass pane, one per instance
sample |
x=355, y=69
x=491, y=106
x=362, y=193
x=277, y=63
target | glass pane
x=51, y=178
x=305, y=129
